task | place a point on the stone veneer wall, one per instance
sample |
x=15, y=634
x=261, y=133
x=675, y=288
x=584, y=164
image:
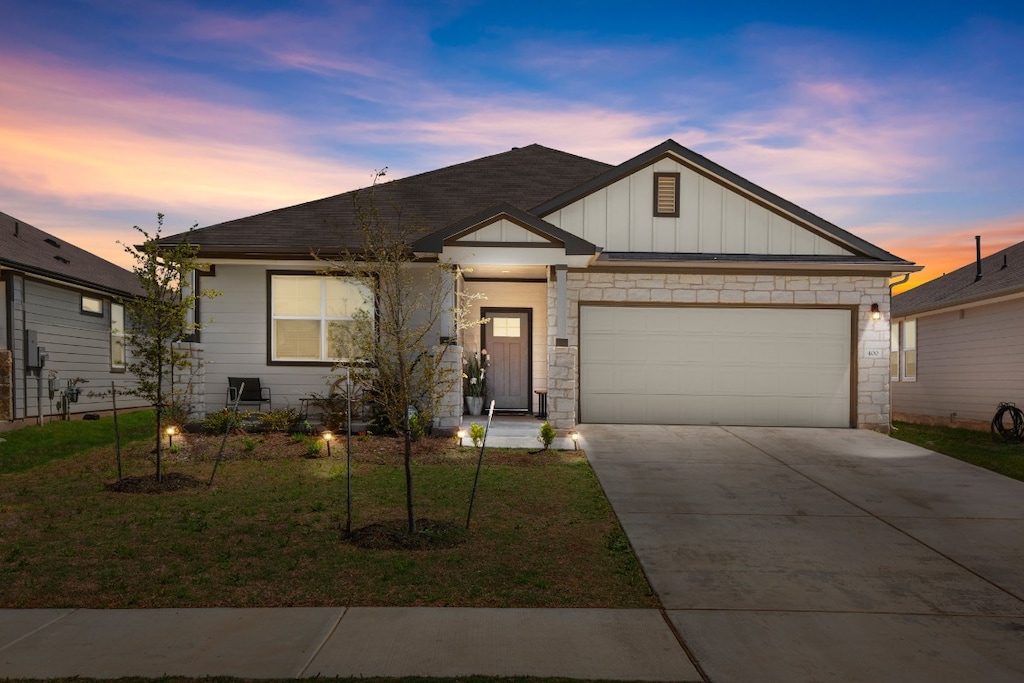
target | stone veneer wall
x=872, y=374
x=449, y=409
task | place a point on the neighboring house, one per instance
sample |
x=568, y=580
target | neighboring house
x=665, y=289
x=59, y=320
x=958, y=343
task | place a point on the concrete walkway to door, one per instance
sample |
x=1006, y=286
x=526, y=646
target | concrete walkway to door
x=822, y=554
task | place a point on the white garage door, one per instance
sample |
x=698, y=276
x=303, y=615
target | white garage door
x=728, y=366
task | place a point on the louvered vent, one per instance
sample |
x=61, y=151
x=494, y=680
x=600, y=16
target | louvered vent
x=666, y=194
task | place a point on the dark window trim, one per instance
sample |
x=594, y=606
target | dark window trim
x=81, y=305
x=270, y=318
x=658, y=175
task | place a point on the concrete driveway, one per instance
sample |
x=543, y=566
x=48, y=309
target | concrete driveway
x=822, y=554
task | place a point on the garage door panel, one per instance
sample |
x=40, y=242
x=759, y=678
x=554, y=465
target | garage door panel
x=697, y=365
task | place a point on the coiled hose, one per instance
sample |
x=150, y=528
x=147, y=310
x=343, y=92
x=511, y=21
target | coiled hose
x=1008, y=423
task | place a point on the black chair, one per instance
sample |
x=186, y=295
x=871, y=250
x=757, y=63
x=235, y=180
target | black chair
x=251, y=390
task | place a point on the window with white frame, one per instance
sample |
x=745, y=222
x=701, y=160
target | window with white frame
x=894, y=352
x=117, y=333
x=903, y=351
x=908, y=350
x=310, y=314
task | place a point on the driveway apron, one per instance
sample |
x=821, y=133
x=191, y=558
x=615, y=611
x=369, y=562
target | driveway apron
x=787, y=554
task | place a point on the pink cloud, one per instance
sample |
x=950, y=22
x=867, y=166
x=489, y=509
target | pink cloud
x=96, y=140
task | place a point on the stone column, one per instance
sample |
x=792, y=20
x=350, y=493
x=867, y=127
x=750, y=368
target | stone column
x=562, y=386
x=449, y=407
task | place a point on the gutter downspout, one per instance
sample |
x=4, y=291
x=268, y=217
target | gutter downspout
x=906, y=278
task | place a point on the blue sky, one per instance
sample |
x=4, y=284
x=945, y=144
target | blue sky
x=901, y=123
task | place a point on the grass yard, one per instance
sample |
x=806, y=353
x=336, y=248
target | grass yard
x=269, y=532
x=977, y=448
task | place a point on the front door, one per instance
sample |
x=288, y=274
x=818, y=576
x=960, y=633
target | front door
x=506, y=337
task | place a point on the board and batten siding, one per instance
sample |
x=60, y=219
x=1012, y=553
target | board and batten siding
x=503, y=230
x=532, y=295
x=967, y=363
x=713, y=219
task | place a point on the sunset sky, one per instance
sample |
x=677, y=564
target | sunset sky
x=903, y=125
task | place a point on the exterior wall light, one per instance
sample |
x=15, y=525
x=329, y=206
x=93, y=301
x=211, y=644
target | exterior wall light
x=875, y=313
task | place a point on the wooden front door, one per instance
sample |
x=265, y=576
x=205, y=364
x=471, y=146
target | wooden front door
x=506, y=337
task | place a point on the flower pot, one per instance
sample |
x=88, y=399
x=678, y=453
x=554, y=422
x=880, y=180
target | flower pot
x=475, y=405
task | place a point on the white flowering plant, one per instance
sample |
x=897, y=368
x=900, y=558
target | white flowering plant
x=474, y=374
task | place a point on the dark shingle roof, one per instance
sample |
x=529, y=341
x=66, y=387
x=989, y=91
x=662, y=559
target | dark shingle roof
x=522, y=177
x=959, y=287
x=27, y=248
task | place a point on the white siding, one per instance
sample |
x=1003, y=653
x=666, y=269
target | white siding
x=713, y=218
x=502, y=230
x=235, y=338
x=966, y=365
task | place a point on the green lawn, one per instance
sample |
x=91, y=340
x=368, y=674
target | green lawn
x=30, y=447
x=977, y=448
x=269, y=531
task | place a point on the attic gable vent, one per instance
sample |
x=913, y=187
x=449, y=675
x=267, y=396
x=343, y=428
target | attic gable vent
x=52, y=242
x=666, y=194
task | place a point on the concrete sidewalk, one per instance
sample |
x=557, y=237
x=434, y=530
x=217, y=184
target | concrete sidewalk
x=356, y=641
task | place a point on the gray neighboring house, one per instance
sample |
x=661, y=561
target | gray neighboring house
x=665, y=289
x=63, y=299
x=958, y=343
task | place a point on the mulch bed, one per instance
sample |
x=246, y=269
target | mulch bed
x=172, y=481
x=431, y=534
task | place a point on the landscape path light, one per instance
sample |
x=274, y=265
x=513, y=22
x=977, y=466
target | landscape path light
x=327, y=438
x=575, y=436
x=170, y=432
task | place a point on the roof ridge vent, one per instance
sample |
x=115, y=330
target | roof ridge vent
x=52, y=242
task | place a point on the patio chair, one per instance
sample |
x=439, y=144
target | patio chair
x=252, y=392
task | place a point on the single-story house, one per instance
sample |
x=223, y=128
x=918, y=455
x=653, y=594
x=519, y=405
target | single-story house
x=958, y=343
x=665, y=289
x=60, y=321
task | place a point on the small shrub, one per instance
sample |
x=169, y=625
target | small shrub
x=223, y=420
x=298, y=438
x=313, y=447
x=280, y=420
x=249, y=445
x=547, y=434
x=476, y=433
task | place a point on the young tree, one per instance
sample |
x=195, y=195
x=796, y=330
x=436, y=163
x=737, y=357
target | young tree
x=159, y=318
x=397, y=344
